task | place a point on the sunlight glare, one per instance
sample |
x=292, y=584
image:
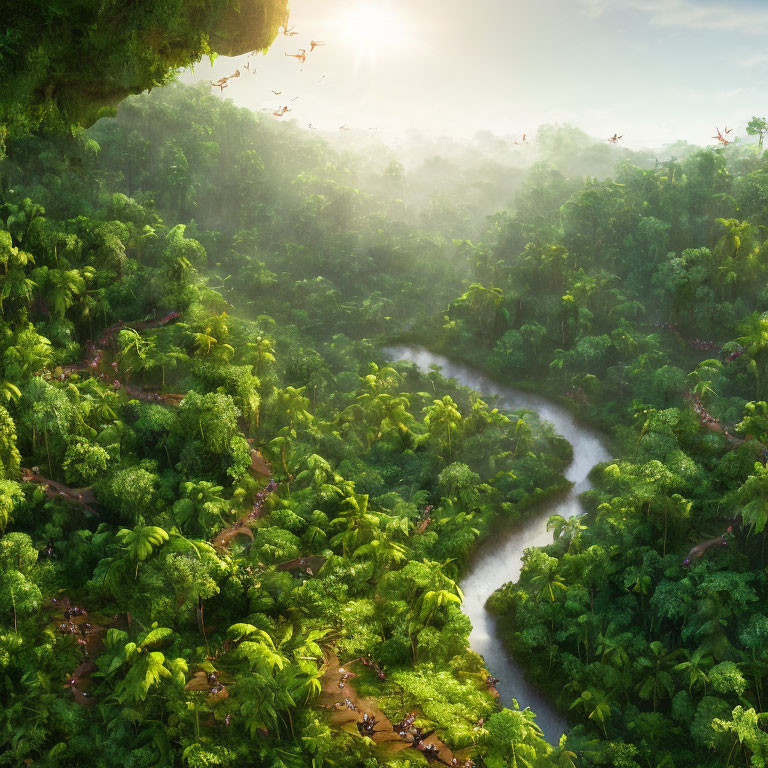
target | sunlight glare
x=371, y=24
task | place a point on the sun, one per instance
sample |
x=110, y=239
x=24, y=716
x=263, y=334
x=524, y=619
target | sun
x=372, y=24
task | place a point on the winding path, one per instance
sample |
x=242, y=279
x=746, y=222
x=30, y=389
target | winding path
x=497, y=560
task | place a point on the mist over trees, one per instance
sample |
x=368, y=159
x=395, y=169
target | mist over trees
x=232, y=531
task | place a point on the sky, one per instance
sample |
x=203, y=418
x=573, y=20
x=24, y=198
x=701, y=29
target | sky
x=656, y=71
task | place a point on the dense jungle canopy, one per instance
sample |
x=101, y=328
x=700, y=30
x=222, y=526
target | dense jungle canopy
x=65, y=63
x=232, y=531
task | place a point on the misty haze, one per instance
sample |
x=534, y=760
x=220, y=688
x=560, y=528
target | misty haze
x=383, y=383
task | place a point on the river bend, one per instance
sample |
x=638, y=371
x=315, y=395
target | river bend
x=498, y=559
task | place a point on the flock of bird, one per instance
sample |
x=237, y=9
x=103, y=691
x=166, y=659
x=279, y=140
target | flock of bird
x=721, y=136
x=301, y=57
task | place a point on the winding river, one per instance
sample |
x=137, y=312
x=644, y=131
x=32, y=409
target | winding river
x=497, y=560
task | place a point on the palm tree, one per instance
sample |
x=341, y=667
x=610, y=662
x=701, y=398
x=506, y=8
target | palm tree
x=292, y=406
x=754, y=495
x=140, y=542
x=144, y=235
x=442, y=419
x=596, y=705
x=613, y=650
x=145, y=665
x=22, y=216
x=754, y=339
x=441, y=592
x=561, y=756
x=485, y=303
x=10, y=495
x=383, y=551
x=546, y=583
x=201, y=503
x=694, y=669
x=657, y=681
x=739, y=237
x=104, y=399
x=559, y=361
x=15, y=286
x=260, y=352
x=361, y=524
x=211, y=337
x=387, y=411
x=62, y=286
x=134, y=351
x=380, y=380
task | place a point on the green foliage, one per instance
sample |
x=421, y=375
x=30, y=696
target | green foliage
x=288, y=268
x=57, y=70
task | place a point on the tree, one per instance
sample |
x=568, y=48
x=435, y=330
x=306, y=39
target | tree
x=441, y=591
x=141, y=541
x=10, y=458
x=754, y=339
x=748, y=739
x=568, y=530
x=361, y=525
x=82, y=79
x=383, y=550
x=293, y=407
x=657, y=683
x=134, y=351
x=596, y=705
x=484, y=303
x=260, y=352
x=694, y=669
x=201, y=507
x=442, y=419
x=758, y=126
x=135, y=668
x=512, y=739
x=10, y=495
x=28, y=353
x=387, y=412
x=753, y=494
x=541, y=572
x=84, y=462
x=62, y=286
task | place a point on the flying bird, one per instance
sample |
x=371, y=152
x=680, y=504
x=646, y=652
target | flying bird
x=720, y=138
x=289, y=31
x=301, y=56
x=314, y=44
x=277, y=93
x=344, y=127
x=280, y=112
x=615, y=138
x=312, y=127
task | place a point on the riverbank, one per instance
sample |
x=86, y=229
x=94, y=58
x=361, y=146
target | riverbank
x=497, y=560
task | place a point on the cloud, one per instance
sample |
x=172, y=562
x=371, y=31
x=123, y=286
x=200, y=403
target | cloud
x=596, y=8
x=753, y=61
x=747, y=16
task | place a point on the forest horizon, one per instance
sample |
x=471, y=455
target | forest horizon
x=345, y=425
